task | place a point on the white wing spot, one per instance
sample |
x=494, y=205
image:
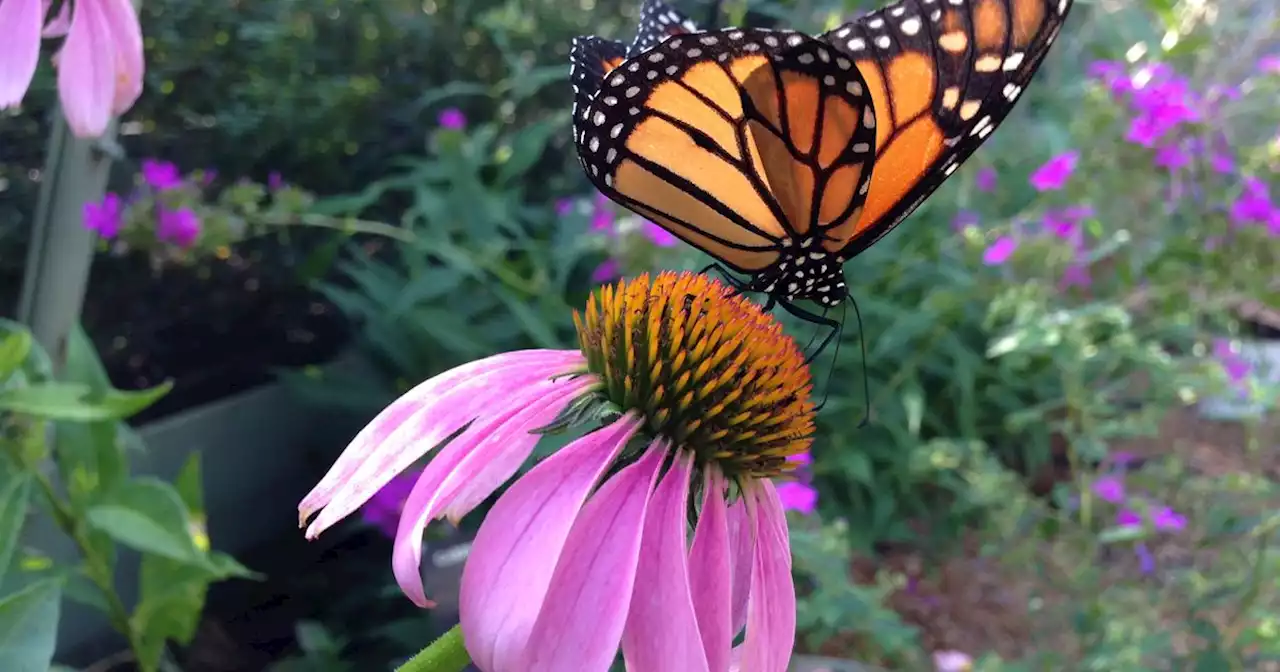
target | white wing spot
x=599, y=119
x=843, y=63
x=694, y=52
x=795, y=40
x=735, y=35
x=594, y=144
x=951, y=168
x=608, y=179
x=610, y=100
x=708, y=40
x=876, y=23
x=613, y=154
x=857, y=44
x=617, y=80
x=671, y=69
x=843, y=32
x=1014, y=60
x=829, y=80
x=652, y=74
x=861, y=148
x=911, y=26
x=770, y=40
x=632, y=92
x=805, y=59
x=854, y=88
x=883, y=41
x=615, y=131
x=656, y=57
x=898, y=11
x=868, y=117
x=634, y=67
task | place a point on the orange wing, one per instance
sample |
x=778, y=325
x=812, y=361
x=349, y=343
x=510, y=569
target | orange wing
x=942, y=74
x=741, y=142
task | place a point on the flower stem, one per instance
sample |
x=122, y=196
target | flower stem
x=447, y=654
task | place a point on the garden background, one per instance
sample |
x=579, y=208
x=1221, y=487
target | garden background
x=1071, y=460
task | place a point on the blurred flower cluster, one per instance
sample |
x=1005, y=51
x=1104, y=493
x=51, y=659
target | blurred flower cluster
x=179, y=218
x=1136, y=515
x=629, y=241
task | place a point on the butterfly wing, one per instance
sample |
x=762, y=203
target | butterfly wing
x=590, y=59
x=943, y=74
x=658, y=21
x=738, y=141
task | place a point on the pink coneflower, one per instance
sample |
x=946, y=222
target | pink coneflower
x=695, y=400
x=100, y=65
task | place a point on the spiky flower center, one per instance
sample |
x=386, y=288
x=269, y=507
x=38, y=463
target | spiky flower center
x=706, y=369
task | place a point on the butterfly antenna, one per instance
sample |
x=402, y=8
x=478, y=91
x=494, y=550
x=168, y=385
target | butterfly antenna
x=866, y=378
x=835, y=359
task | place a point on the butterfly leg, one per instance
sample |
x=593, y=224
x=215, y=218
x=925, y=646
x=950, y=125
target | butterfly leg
x=812, y=318
x=737, y=285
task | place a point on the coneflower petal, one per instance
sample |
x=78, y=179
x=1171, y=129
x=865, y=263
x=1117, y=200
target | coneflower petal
x=490, y=453
x=771, y=609
x=515, y=552
x=711, y=575
x=742, y=544
x=418, y=422
x=585, y=611
x=662, y=626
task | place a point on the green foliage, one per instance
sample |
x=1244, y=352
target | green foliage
x=98, y=506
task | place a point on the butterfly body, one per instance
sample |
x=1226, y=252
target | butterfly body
x=782, y=155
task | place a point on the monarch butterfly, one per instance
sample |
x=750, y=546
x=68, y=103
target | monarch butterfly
x=784, y=155
x=591, y=57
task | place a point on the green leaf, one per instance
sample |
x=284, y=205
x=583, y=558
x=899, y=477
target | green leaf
x=1118, y=534
x=14, y=498
x=172, y=597
x=526, y=149
x=29, y=628
x=147, y=514
x=75, y=401
x=14, y=349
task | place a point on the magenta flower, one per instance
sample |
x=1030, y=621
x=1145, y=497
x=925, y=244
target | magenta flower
x=1172, y=157
x=1075, y=275
x=1109, y=489
x=985, y=180
x=609, y=269
x=384, y=508
x=1114, y=74
x=161, y=175
x=1000, y=251
x=1053, y=175
x=593, y=548
x=275, y=182
x=1163, y=519
x=1163, y=101
x=1269, y=64
x=452, y=119
x=100, y=64
x=565, y=207
x=180, y=227
x=798, y=497
x=106, y=217
x=658, y=235
x=602, y=215
x=1254, y=204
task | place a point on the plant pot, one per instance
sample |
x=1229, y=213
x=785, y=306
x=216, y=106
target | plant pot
x=258, y=459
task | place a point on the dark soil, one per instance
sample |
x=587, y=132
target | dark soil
x=214, y=328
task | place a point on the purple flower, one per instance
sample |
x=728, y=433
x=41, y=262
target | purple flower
x=1114, y=75
x=274, y=181
x=952, y=661
x=161, y=175
x=1269, y=64
x=1222, y=163
x=1162, y=101
x=207, y=176
x=383, y=509
x=565, y=207
x=1254, y=204
x=1172, y=157
x=658, y=235
x=180, y=227
x=1065, y=222
x=1165, y=518
x=608, y=270
x=964, y=219
x=1109, y=489
x=602, y=217
x=1128, y=518
x=106, y=217
x=1055, y=172
x=1146, y=561
x=999, y=251
x=985, y=180
x=1075, y=275
x=797, y=496
x=1236, y=367
x=452, y=119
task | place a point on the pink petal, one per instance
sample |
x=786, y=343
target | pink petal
x=742, y=543
x=418, y=422
x=122, y=20
x=60, y=23
x=86, y=71
x=586, y=605
x=662, y=626
x=711, y=575
x=771, y=610
x=494, y=448
x=514, y=554
x=20, y=48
